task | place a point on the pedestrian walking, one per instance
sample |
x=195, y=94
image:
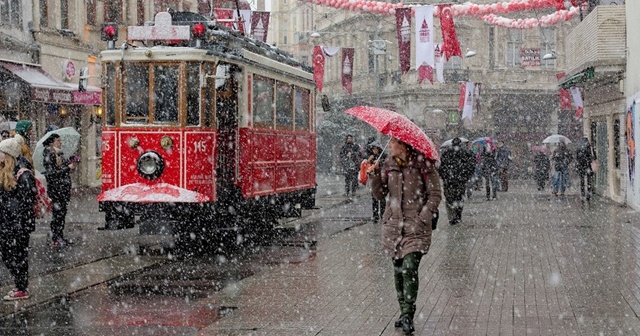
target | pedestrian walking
x=585, y=158
x=24, y=133
x=503, y=161
x=489, y=172
x=350, y=159
x=457, y=165
x=17, y=217
x=375, y=154
x=562, y=158
x=412, y=186
x=478, y=176
x=542, y=168
x=57, y=172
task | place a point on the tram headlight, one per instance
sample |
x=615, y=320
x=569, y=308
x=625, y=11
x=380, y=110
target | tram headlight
x=150, y=165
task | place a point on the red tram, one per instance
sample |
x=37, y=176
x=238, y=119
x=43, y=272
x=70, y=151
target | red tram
x=203, y=129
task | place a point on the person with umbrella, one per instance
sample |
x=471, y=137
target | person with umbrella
x=489, y=172
x=350, y=159
x=17, y=216
x=456, y=168
x=376, y=154
x=411, y=184
x=585, y=156
x=562, y=158
x=542, y=168
x=57, y=172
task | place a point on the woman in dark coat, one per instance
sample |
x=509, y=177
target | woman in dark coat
x=412, y=187
x=17, y=217
x=542, y=166
x=57, y=172
x=489, y=172
x=584, y=157
x=374, y=154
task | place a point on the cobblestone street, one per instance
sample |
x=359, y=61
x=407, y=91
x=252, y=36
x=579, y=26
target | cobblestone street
x=528, y=263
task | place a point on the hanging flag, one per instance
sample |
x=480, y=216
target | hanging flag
x=224, y=14
x=330, y=51
x=467, y=110
x=260, y=25
x=403, y=27
x=439, y=63
x=347, y=68
x=424, y=42
x=318, y=66
x=463, y=89
x=577, y=100
x=451, y=46
x=246, y=19
x=477, y=89
x=565, y=96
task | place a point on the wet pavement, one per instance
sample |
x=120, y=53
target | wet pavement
x=528, y=263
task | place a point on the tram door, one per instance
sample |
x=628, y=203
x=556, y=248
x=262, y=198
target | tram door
x=227, y=117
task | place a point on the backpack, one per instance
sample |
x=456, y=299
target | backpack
x=43, y=203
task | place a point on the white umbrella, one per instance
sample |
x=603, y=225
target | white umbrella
x=70, y=140
x=450, y=142
x=556, y=138
x=8, y=125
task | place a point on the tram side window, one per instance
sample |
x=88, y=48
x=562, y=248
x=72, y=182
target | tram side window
x=166, y=94
x=284, y=103
x=209, y=98
x=302, y=107
x=262, y=102
x=137, y=93
x=110, y=94
x=193, y=94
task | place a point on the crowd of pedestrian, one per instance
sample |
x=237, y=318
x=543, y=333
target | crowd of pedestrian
x=19, y=194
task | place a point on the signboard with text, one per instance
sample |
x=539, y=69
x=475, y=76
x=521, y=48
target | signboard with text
x=530, y=57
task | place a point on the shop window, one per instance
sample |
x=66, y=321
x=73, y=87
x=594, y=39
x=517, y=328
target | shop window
x=166, y=94
x=136, y=80
x=284, y=104
x=616, y=143
x=91, y=8
x=110, y=94
x=193, y=94
x=262, y=102
x=113, y=11
x=513, y=47
x=302, y=105
x=140, y=11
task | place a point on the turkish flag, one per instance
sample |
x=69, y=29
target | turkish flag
x=318, y=66
x=565, y=99
x=347, y=69
x=450, y=44
x=403, y=27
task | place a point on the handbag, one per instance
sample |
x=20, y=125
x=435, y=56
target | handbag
x=362, y=175
x=595, y=165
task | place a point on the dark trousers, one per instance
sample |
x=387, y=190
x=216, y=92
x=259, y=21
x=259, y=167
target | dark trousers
x=541, y=181
x=405, y=274
x=15, y=255
x=378, y=208
x=454, y=195
x=491, y=182
x=59, y=213
x=589, y=178
x=350, y=181
x=504, y=179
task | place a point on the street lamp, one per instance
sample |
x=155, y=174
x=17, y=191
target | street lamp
x=549, y=56
x=470, y=53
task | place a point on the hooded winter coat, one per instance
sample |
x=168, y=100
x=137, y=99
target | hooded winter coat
x=457, y=166
x=413, y=194
x=58, y=175
x=584, y=157
x=17, y=215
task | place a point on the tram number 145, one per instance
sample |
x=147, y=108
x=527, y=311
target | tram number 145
x=200, y=146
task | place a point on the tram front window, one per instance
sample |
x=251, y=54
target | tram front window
x=137, y=91
x=166, y=94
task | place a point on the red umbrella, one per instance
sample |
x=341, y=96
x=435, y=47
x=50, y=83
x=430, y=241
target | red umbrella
x=397, y=126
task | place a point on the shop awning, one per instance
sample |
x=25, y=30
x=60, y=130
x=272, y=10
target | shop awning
x=46, y=88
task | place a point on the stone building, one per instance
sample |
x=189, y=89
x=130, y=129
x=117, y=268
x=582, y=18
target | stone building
x=291, y=27
x=519, y=100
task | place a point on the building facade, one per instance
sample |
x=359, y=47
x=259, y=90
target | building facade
x=291, y=26
x=596, y=57
x=519, y=98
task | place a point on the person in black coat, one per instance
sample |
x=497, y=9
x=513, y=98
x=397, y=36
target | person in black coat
x=456, y=168
x=489, y=172
x=57, y=171
x=584, y=157
x=17, y=217
x=374, y=154
x=350, y=159
x=542, y=166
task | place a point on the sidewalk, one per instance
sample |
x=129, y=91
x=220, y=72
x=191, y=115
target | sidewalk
x=526, y=264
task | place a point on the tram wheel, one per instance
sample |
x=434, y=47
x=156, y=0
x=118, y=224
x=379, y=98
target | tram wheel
x=118, y=220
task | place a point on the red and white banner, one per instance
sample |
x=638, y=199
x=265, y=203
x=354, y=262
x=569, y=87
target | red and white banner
x=347, y=68
x=577, y=100
x=403, y=27
x=246, y=19
x=467, y=109
x=564, y=94
x=439, y=63
x=318, y=67
x=451, y=46
x=463, y=91
x=224, y=14
x=424, y=42
x=260, y=25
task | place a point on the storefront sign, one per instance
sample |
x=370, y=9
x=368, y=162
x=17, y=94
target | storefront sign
x=69, y=69
x=530, y=57
x=66, y=97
